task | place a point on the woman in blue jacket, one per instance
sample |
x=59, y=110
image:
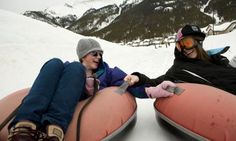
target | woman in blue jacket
x=45, y=113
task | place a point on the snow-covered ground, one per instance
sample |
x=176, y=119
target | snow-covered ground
x=25, y=44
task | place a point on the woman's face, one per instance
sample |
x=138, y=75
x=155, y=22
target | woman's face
x=188, y=46
x=92, y=59
x=191, y=53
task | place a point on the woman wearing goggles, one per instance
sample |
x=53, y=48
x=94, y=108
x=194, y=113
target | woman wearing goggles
x=193, y=64
x=190, y=46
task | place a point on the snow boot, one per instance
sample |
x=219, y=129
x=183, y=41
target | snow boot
x=24, y=131
x=54, y=133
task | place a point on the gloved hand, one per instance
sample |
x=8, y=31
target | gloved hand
x=160, y=90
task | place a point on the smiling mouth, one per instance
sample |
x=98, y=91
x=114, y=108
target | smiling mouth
x=188, y=53
x=96, y=62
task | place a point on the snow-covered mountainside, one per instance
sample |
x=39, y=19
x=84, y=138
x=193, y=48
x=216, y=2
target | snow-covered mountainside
x=135, y=20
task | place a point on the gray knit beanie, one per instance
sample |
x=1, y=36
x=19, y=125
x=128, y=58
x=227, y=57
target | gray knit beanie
x=86, y=46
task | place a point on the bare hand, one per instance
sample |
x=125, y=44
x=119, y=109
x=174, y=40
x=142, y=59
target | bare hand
x=131, y=79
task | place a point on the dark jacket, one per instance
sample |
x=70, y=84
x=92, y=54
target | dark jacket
x=216, y=73
x=114, y=77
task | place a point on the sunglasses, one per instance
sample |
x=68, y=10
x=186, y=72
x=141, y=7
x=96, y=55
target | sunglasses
x=96, y=53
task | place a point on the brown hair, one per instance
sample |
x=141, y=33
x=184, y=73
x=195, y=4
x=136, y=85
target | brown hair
x=202, y=54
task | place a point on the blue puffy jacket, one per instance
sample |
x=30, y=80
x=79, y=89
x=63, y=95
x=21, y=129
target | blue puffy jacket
x=114, y=77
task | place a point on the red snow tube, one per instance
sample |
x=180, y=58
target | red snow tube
x=203, y=112
x=104, y=118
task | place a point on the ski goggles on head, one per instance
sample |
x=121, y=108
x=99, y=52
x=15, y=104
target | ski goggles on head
x=186, y=43
x=96, y=53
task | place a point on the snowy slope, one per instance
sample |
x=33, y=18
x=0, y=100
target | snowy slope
x=31, y=42
x=25, y=44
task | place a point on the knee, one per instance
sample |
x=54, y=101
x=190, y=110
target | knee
x=55, y=62
x=77, y=68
